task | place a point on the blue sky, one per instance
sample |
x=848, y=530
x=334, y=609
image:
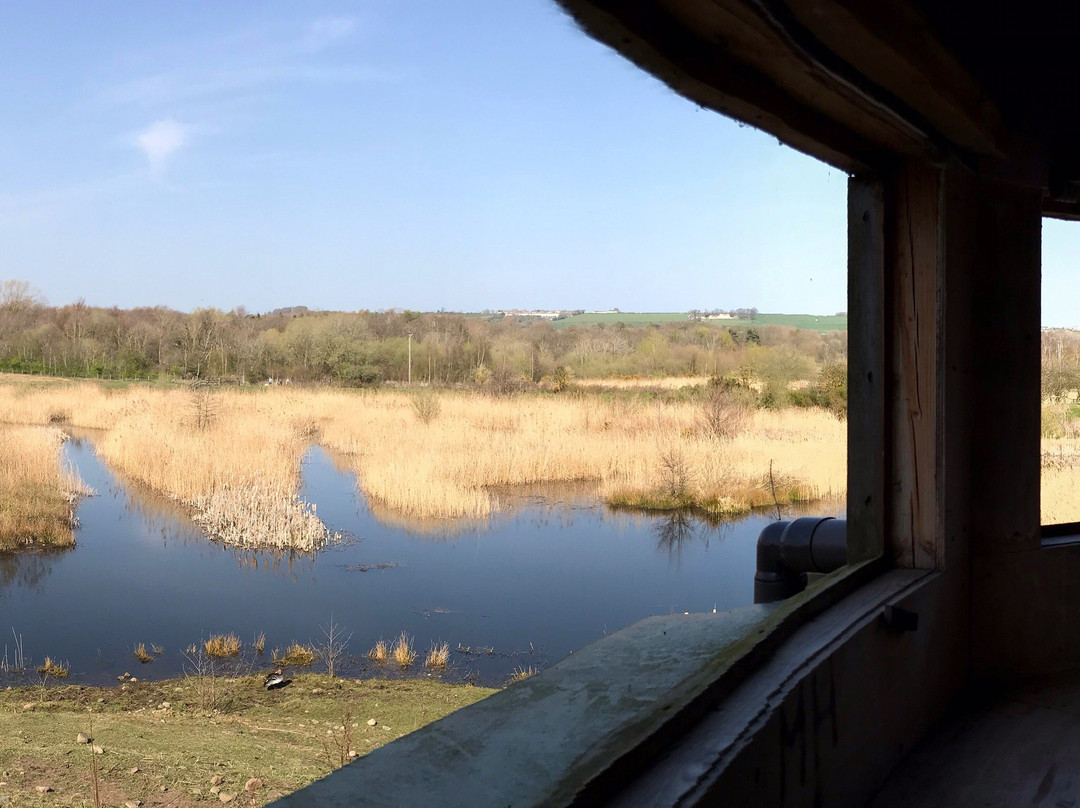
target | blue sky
x=424, y=154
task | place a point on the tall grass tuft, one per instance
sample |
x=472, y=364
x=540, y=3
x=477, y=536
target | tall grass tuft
x=520, y=674
x=141, y=654
x=296, y=655
x=53, y=667
x=403, y=652
x=380, y=652
x=222, y=645
x=438, y=655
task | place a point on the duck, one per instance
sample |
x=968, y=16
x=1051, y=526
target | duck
x=275, y=678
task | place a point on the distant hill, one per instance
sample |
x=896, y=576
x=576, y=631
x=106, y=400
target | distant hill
x=809, y=322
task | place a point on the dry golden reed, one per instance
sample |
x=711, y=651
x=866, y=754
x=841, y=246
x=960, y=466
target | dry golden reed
x=141, y=654
x=446, y=469
x=380, y=652
x=37, y=494
x=239, y=471
x=222, y=645
x=53, y=667
x=403, y=652
x=520, y=674
x=296, y=655
x=438, y=655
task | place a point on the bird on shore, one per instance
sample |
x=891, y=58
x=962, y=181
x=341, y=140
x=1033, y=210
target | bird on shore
x=275, y=678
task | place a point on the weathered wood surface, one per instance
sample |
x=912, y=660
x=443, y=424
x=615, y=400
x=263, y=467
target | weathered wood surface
x=914, y=262
x=867, y=381
x=1021, y=749
x=832, y=713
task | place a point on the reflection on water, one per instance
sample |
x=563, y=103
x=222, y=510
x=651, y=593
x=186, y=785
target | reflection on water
x=548, y=574
x=26, y=570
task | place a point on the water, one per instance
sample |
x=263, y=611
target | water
x=526, y=589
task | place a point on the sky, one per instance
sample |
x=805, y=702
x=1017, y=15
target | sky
x=389, y=154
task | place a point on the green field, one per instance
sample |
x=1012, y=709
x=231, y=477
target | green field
x=810, y=322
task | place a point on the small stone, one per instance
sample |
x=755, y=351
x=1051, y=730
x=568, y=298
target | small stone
x=28, y=705
x=316, y=690
x=164, y=789
x=82, y=737
x=352, y=753
x=273, y=795
x=120, y=678
x=43, y=789
x=372, y=722
x=216, y=780
x=101, y=701
x=133, y=804
x=133, y=770
x=165, y=705
x=98, y=750
x=126, y=674
x=133, y=680
x=253, y=784
x=226, y=797
x=215, y=789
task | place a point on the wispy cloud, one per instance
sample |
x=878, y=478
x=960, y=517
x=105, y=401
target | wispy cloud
x=242, y=62
x=160, y=141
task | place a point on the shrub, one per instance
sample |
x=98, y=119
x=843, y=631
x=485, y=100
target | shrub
x=426, y=406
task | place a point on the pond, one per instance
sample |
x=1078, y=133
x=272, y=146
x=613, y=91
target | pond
x=536, y=582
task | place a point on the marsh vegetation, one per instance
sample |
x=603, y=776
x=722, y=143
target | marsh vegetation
x=238, y=473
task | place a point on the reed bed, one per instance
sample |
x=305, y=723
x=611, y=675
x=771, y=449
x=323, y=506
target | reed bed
x=233, y=459
x=37, y=493
x=1060, y=480
x=642, y=454
x=233, y=456
x=646, y=382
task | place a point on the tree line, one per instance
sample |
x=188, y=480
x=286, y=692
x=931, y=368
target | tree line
x=372, y=347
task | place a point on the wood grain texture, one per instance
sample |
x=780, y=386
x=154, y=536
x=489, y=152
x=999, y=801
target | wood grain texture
x=913, y=262
x=867, y=379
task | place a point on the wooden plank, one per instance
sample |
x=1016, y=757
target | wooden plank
x=913, y=261
x=866, y=369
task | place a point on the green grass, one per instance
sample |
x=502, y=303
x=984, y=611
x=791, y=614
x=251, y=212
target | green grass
x=626, y=318
x=278, y=736
x=809, y=322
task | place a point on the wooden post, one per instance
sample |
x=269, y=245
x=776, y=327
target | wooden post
x=866, y=369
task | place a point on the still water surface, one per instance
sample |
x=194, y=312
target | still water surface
x=532, y=584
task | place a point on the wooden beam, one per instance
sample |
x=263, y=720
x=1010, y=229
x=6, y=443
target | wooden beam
x=890, y=43
x=854, y=84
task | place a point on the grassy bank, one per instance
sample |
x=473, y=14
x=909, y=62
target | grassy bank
x=176, y=743
x=37, y=496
